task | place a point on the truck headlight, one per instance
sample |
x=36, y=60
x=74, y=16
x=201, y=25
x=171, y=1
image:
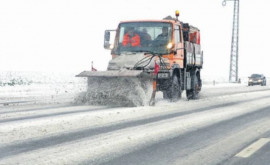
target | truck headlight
x=250, y=80
x=163, y=75
x=111, y=46
x=259, y=80
x=170, y=45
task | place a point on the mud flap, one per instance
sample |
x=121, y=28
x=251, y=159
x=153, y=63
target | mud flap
x=153, y=97
x=188, y=81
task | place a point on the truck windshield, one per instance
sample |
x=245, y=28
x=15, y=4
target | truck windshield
x=144, y=37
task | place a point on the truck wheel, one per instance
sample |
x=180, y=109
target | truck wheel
x=180, y=87
x=174, y=92
x=165, y=96
x=193, y=93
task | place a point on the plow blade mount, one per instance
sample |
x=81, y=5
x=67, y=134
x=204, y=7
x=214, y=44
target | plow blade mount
x=119, y=88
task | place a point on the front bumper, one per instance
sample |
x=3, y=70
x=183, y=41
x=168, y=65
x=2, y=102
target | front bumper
x=255, y=82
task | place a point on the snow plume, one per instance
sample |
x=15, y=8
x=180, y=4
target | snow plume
x=117, y=91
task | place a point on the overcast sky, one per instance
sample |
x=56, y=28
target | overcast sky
x=66, y=35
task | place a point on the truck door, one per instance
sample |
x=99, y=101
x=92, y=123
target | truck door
x=179, y=47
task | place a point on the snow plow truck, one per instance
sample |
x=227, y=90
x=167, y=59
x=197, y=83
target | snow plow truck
x=148, y=56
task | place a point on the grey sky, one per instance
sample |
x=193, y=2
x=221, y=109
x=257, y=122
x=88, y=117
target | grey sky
x=66, y=35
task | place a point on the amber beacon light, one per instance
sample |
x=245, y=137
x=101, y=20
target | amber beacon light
x=177, y=13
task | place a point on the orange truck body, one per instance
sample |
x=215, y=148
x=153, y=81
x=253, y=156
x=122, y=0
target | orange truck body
x=185, y=60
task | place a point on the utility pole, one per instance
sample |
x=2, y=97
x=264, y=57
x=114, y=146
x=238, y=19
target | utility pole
x=234, y=45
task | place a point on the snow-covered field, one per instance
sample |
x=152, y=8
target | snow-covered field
x=53, y=130
x=39, y=87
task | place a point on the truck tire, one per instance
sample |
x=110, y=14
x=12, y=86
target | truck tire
x=195, y=88
x=174, y=91
x=165, y=96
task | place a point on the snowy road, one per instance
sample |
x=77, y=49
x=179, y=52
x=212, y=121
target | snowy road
x=211, y=130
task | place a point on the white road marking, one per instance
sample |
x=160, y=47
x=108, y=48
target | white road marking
x=253, y=148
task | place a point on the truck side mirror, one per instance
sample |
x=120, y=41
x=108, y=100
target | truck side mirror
x=107, y=35
x=108, y=43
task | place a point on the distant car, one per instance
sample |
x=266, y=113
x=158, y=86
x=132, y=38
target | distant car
x=257, y=79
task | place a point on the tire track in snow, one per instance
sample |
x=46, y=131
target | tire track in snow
x=207, y=93
x=27, y=145
x=76, y=111
x=15, y=149
x=188, y=145
x=120, y=142
x=52, y=115
x=10, y=110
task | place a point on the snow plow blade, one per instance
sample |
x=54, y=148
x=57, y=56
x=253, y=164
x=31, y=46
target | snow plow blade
x=118, y=88
x=118, y=73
